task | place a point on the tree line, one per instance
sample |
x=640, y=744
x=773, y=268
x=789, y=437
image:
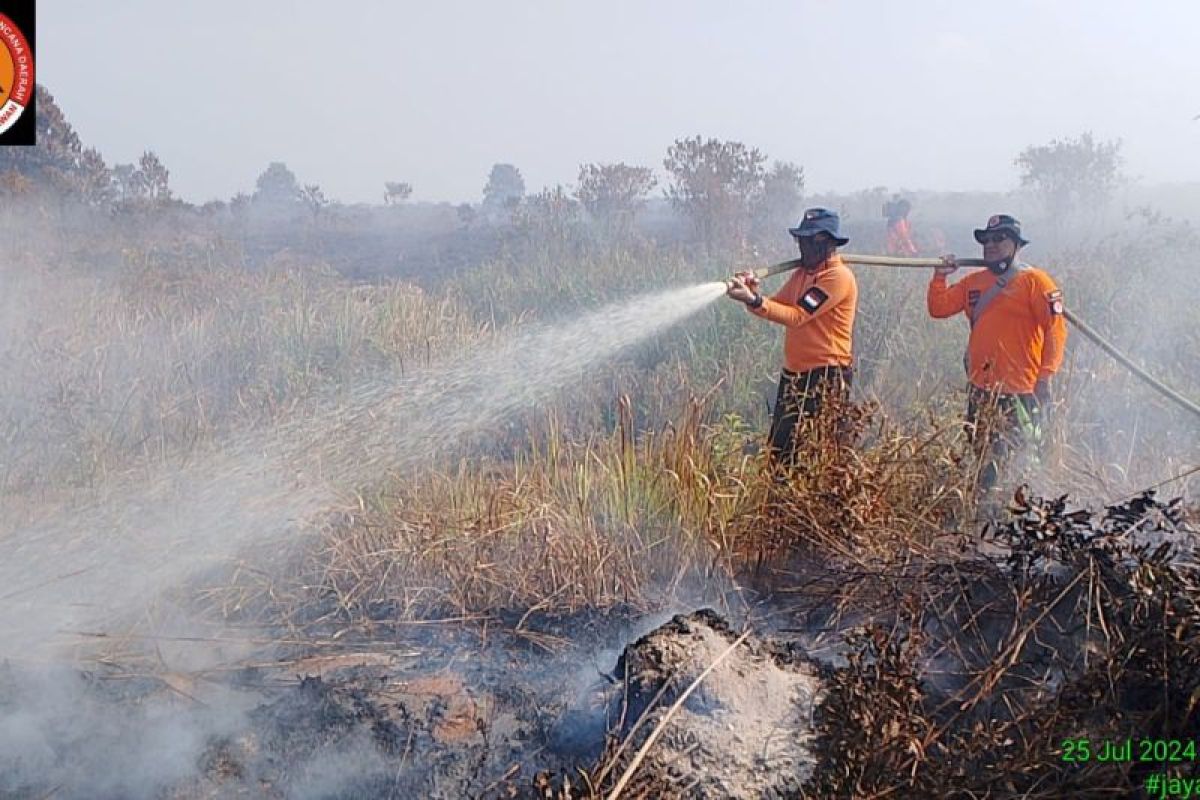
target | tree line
x=727, y=191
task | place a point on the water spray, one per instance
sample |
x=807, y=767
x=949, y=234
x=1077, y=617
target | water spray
x=1088, y=331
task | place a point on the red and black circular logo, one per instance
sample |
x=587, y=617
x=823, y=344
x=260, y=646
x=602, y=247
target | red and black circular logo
x=16, y=73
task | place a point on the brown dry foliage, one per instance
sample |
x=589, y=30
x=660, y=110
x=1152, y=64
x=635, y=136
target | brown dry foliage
x=970, y=686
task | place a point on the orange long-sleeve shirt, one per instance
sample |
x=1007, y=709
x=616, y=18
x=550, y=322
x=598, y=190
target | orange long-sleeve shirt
x=1020, y=337
x=899, y=239
x=817, y=308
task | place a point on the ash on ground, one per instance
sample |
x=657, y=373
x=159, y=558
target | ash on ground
x=745, y=732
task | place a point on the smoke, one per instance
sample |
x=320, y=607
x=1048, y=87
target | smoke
x=106, y=561
x=108, y=557
x=97, y=741
x=1136, y=284
x=114, y=557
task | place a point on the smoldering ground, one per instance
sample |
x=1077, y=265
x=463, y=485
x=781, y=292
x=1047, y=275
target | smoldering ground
x=88, y=735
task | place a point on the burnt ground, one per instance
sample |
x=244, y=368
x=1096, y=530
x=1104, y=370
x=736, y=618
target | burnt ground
x=437, y=714
x=955, y=681
x=426, y=711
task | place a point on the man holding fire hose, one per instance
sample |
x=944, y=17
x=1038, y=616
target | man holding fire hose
x=1016, y=343
x=816, y=307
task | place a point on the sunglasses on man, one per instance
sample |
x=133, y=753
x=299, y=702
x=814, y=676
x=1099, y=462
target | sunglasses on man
x=820, y=238
x=994, y=238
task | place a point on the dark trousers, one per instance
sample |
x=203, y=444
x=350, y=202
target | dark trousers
x=800, y=397
x=999, y=425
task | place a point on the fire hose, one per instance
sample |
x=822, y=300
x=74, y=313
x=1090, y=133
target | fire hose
x=1081, y=326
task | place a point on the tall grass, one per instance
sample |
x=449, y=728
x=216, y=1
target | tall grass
x=99, y=376
x=639, y=491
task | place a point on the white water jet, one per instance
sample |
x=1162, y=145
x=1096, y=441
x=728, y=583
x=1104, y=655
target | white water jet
x=111, y=555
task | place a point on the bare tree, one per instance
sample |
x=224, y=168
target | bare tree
x=140, y=187
x=550, y=216
x=781, y=198
x=1072, y=177
x=125, y=183
x=715, y=184
x=613, y=193
x=394, y=192
x=95, y=180
x=314, y=199
x=154, y=177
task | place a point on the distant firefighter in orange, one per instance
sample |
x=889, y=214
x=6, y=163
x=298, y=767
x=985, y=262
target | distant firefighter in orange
x=899, y=230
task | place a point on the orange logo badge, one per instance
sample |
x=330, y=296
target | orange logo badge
x=16, y=73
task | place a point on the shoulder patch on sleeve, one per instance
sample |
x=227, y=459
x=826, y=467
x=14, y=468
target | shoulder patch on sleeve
x=813, y=299
x=1054, y=298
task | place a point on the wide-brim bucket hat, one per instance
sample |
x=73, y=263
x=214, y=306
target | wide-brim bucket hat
x=819, y=220
x=1001, y=223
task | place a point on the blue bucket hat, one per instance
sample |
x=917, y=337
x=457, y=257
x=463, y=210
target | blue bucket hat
x=818, y=220
x=1002, y=223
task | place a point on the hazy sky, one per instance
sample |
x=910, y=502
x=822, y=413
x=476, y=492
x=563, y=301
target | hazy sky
x=917, y=94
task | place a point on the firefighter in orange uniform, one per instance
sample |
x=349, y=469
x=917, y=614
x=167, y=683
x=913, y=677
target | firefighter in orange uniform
x=1016, y=344
x=816, y=306
x=899, y=229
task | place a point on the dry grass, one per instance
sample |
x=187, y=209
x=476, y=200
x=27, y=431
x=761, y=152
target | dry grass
x=963, y=677
x=623, y=497
x=970, y=683
x=635, y=523
x=570, y=526
x=101, y=375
